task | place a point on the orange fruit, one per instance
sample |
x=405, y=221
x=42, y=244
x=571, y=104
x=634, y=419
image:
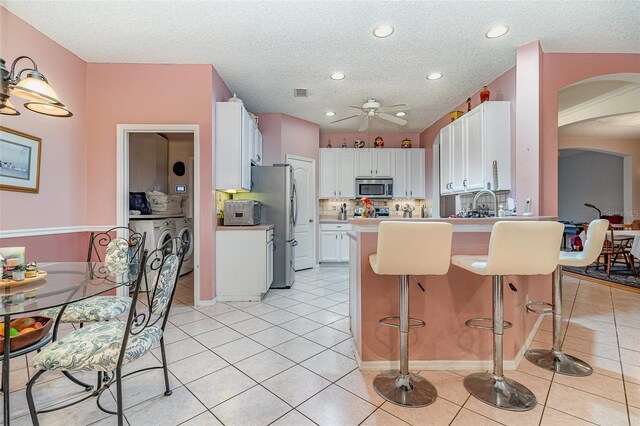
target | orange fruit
x=27, y=330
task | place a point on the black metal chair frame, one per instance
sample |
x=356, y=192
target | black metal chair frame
x=137, y=321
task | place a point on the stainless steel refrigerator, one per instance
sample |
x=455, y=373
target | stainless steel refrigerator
x=274, y=186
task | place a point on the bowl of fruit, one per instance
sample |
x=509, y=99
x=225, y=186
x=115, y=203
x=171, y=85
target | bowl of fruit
x=25, y=332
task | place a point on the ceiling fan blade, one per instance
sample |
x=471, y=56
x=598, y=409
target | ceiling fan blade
x=346, y=118
x=357, y=106
x=392, y=119
x=364, y=125
x=396, y=108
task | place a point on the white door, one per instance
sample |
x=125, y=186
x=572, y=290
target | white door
x=305, y=211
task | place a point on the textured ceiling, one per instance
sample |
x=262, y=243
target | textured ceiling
x=263, y=50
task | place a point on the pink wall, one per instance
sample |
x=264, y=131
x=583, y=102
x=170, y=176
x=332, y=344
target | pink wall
x=558, y=71
x=283, y=134
x=270, y=126
x=135, y=94
x=71, y=247
x=527, y=165
x=391, y=140
x=502, y=88
x=62, y=197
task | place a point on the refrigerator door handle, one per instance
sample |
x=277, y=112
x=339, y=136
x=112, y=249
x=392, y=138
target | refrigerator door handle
x=294, y=243
x=294, y=203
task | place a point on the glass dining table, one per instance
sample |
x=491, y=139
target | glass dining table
x=64, y=283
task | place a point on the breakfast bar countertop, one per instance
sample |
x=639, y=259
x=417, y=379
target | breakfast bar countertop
x=264, y=227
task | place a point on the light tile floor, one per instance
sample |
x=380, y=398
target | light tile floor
x=289, y=361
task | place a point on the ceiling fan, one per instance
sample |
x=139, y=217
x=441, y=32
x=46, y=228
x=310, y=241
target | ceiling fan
x=372, y=109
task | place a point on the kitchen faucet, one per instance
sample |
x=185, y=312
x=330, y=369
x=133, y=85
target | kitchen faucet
x=486, y=191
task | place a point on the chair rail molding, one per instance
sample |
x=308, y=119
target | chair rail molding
x=34, y=232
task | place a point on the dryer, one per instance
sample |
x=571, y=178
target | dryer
x=159, y=231
x=184, y=230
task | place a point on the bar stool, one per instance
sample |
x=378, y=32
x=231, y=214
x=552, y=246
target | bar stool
x=515, y=248
x=409, y=248
x=554, y=359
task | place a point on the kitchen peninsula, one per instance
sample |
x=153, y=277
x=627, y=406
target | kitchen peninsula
x=449, y=300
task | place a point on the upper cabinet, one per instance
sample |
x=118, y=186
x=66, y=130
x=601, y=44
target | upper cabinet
x=337, y=173
x=238, y=144
x=339, y=168
x=408, y=173
x=475, y=150
x=373, y=162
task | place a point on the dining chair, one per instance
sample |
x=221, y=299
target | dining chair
x=108, y=346
x=612, y=249
x=116, y=248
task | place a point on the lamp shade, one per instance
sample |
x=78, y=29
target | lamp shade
x=35, y=87
x=48, y=109
x=8, y=109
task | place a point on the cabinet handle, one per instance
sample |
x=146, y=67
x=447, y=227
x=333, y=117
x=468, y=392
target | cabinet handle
x=464, y=183
x=405, y=193
x=336, y=236
x=258, y=158
x=411, y=193
x=341, y=236
x=376, y=171
x=339, y=192
x=371, y=172
x=334, y=192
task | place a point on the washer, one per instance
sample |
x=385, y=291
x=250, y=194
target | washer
x=184, y=230
x=159, y=231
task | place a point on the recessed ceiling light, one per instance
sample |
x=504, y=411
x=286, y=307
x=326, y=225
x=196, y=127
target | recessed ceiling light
x=329, y=113
x=434, y=76
x=497, y=31
x=337, y=76
x=383, y=31
x=401, y=114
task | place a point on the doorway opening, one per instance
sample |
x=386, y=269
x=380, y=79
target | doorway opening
x=306, y=220
x=163, y=161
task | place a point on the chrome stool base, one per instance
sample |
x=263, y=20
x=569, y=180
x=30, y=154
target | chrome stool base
x=411, y=390
x=559, y=362
x=500, y=392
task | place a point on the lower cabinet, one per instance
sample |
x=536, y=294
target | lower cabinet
x=334, y=243
x=244, y=264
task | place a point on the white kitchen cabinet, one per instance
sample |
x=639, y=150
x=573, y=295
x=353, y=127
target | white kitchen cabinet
x=244, y=264
x=470, y=145
x=256, y=158
x=334, y=242
x=408, y=173
x=236, y=146
x=337, y=173
x=373, y=162
x=445, y=160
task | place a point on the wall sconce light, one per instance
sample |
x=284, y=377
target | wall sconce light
x=33, y=86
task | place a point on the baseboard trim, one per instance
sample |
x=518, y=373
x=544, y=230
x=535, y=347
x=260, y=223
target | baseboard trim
x=35, y=232
x=207, y=302
x=478, y=365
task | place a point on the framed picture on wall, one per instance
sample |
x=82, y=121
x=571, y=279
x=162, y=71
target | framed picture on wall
x=19, y=161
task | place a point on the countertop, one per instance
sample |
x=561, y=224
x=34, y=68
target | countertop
x=263, y=227
x=455, y=221
x=333, y=219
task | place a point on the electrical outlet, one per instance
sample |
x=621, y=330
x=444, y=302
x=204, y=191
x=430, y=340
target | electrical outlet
x=334, y=208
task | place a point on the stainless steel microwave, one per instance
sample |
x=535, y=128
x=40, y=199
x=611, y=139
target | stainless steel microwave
x=374, y=188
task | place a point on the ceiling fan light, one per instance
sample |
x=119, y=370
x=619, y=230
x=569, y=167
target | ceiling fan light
x=497, y=31
x=9, y=109
x=337, y=76
x=48, y=109
x=383, y=31
x=35, y=87
x=329, y=113
x=434, y=76
x=401, y=114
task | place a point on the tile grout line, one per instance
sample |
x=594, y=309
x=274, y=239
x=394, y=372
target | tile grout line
x=624, y=383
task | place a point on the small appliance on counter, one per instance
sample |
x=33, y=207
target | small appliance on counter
x=380, y=212
x=242, y=212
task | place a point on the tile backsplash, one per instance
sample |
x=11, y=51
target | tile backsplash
x=332, y=207
x=464, y=201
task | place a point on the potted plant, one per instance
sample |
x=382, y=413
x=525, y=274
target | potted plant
x=18, y=272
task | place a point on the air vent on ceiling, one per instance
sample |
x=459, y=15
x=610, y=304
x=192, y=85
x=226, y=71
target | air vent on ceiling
x=300, y=93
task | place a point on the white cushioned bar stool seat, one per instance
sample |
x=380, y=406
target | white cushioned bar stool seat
x=554, y=359
x=515, y=248
x=409, y=248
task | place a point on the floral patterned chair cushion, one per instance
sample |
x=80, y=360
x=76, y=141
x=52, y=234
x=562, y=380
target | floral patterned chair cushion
x=94, y=309
x=95, y=348
x=117, y=259
x=163, y=284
